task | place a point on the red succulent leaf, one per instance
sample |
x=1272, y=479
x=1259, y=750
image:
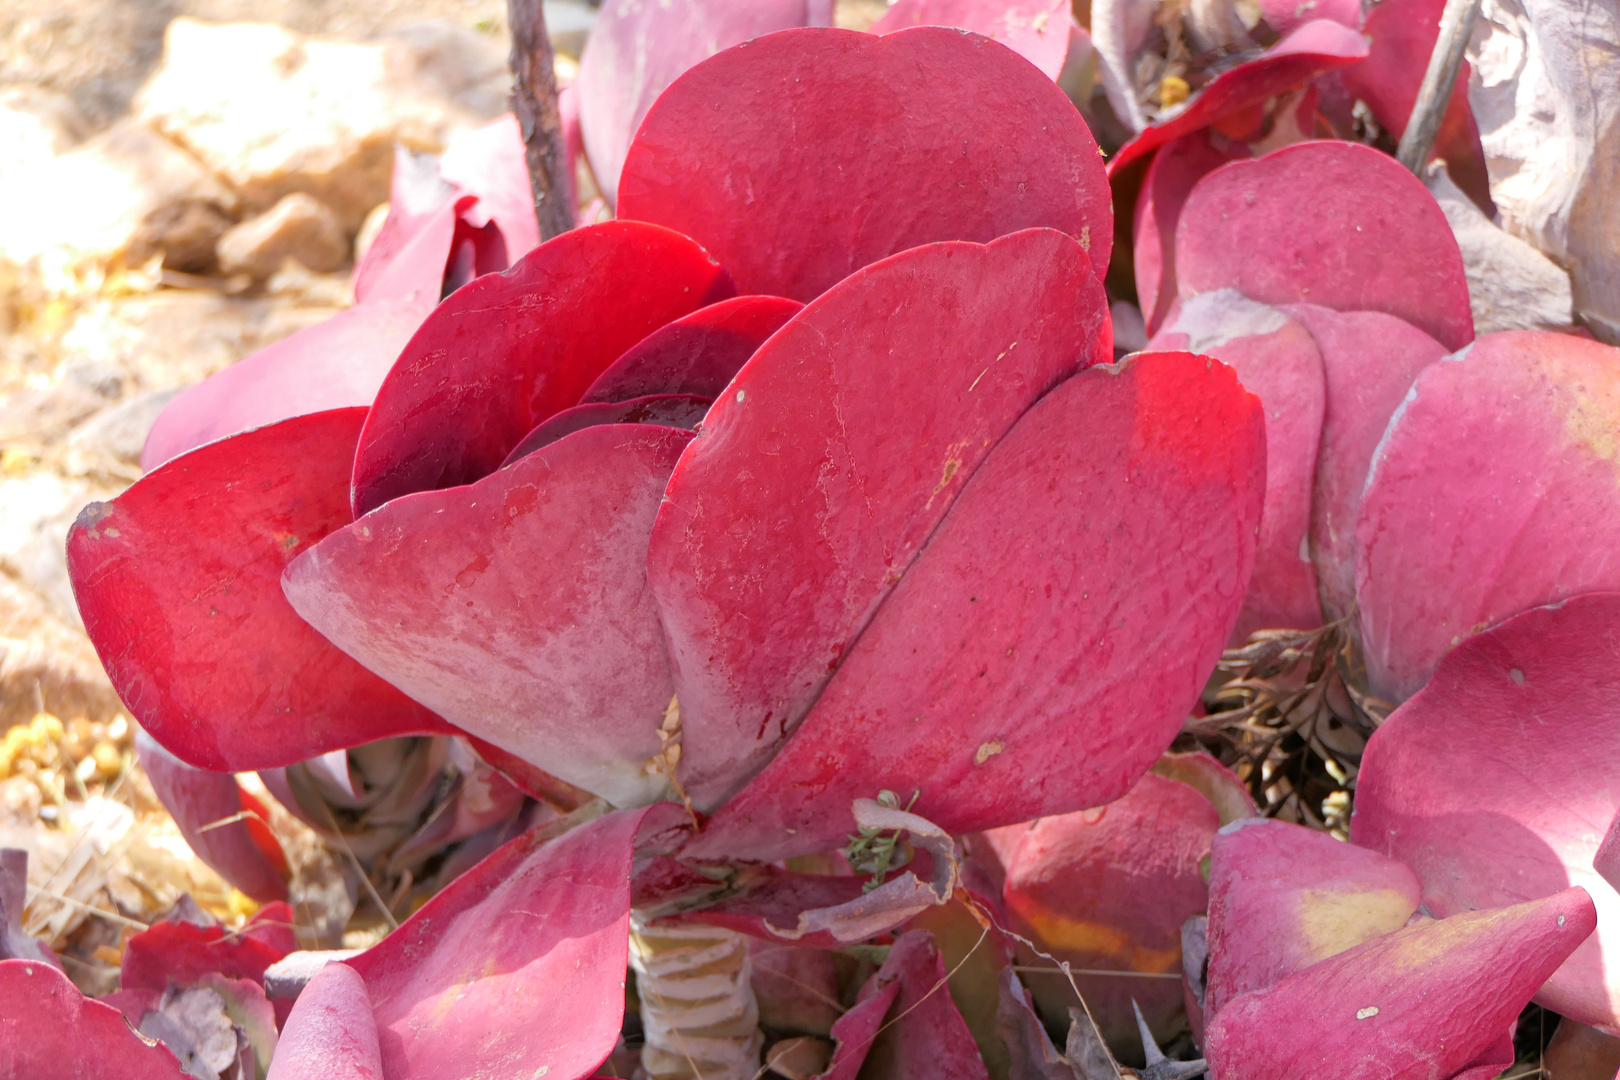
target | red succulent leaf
x=49, y=1029
x=208, y=807
x=1014, y=674
x=697, y=354
x=1370, y=361
x=902, y=1025
x=796, y=987
x=637, y=49
x=1379, y=243
x=507, y=351
x=1284, y=16
x=1109, y=889
x=406, y=261
x=180, y=953
x=933, y=134
x=975, y=954
x=1175, y=169
x=179, y=584
x=489, y=162
x=1037, y=30
x=1496, y=488
x=517, y=966
x=1403, y=34
x=1283, y=897
x=1277, y=359
x=331, y=365
x=664, y=410
x=1312, y=49
x=1433, y=1000
x=518, y=605
x=807, y=442
x=1494, y=781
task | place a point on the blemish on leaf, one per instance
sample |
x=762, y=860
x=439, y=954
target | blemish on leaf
x=987, y=751
x=1367, y=1013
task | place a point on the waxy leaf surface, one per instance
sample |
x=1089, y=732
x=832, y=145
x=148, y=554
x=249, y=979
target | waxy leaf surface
x=637, y=48
x=179, y=584
x=48, y=1029
x=1037, y=30
x=331, y=1033
x=697, y=354
x=1175, y=169
x=489, y=162
x=809, y=493
x=1313, y=49
x=1494, y=782
x=1495, y=489
x=177, y=952
x=666, y=410
x=518, y=606
x=1427, y=1001
x=1335, y=224
x=837, y=148
x=506, y=351
x=1050, y=640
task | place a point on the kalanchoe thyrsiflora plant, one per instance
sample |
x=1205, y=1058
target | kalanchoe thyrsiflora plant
x=925, y=541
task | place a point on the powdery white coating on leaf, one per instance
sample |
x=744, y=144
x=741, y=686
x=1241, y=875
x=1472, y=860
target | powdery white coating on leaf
x=696, y=354
x=1037, y=30
x=506, y=351
x=1276, y=359
x=837, y=148
x=179, y=583
x=810, y=492
x=1449, y=786
x=1430, y=1000
x=518, y=606
x=49, y=1029
x=1496, y=488
x=1269, y=229
x=517, y=968
x=1369, y=362
x=1312, y=49
x=1067, y=610
x=638, y=47
x=1283, y=897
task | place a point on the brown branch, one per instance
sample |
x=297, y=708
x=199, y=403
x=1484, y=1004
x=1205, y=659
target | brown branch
x=1456, y=25
x=534, y=100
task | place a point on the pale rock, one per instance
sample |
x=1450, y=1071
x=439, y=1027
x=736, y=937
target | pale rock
x=1546, y=93
x=273, y=112
x=37, y=416
x=122, y=196
x=46, y=663
x=36, y=125
x=1511, y=285
x=298, y=227
x=35, y=513
x=117, y=433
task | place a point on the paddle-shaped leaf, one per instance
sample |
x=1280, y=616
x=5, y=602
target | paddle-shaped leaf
x=1037, y=30
x=1335, y=224
x=1175, y=169
x=1494, y=781
x=668, y=410
x=809, y=443
x=49, y=1029
x=1051, y=638
x=516, y=969
x=518, y=605
x=697, y=354
x=179, y=583
x=1495, y=489
x=507, y=351
x=985, y=145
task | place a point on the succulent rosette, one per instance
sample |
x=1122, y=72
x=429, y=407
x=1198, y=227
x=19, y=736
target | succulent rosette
x=925, y=539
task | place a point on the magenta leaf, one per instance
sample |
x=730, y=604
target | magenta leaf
x=179, y=584
x=49, y=1030
x=1175, y=169
x=1313, y=48
x=208, y=808
x=406, y=261
x=637, y=49
x=665, y=410
x=932, y=134
x=1495, y=489
x=1428, y=1001
x=1379, y=242
x=1284, y=16
x=1018, y=673
x=488, y=162
x=518, y=605
x=507, y=351
x=1277, y=359
x=331, y=1033
x=1037, y=30
x=1447, y=784
x=808, y=442
x=175, y=952
x=697, y=354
